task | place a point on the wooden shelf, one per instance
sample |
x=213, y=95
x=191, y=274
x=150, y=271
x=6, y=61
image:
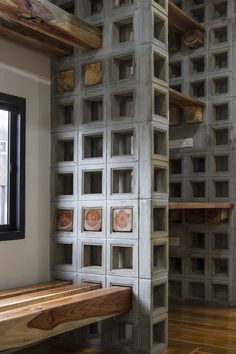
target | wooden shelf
x=181, y=22
x=46, y=27
x=199, y=205
x=27, y=318
x=178, y=99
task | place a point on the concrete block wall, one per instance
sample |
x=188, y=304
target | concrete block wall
x=110, y=168
x=202, y=255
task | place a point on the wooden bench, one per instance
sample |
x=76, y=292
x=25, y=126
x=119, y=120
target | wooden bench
x=34, y=313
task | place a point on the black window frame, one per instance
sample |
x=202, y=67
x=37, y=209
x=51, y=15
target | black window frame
x=15, y=229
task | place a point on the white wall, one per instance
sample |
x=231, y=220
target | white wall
x=26, y=73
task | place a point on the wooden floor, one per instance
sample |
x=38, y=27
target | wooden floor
x=192, y=330
x=201, y=330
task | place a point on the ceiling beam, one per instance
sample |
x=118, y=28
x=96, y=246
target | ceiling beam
x=41, y=24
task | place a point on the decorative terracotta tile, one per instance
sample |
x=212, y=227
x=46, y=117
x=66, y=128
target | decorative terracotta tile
x=92, y=219
x=66, y=80
x=92, y=74
x=64, y=220
x=122, y=220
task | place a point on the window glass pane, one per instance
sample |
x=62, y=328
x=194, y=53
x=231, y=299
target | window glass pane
x=4, y=170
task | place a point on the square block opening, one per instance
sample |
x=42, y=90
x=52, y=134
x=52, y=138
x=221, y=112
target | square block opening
x=92, y=219
x=160, y=103
x=175, y=288
x=220, y=60
x=220, y=292
x=65, y=80
x=159, y=219
x=64, y=220
x=94, y=329
x=220, y=35
x=122, y=181
x=93, y=110
x=177, y=87
x=123, y=143
x=220, y=10
x=125, y=333
x=63, y=254
x=198, y=164
x=64, y=184
x=68, y=6
x=124, y=30
x=175, y=189
x=220, y=266
x=65, y=114
x=122, y=220
x=198, y=240
x=122, y=257
x=93, y=146
x=198, y=265
x=197, y=65
x=159, y=256
x=92, y=182
x=198, y=14
x=123, y=105
x=198, y=89
x=92, y=256
x=176, y=265
x=121, y=3
x=178, y=3
x=198, y=189
x=222, y=136
x=198, y=2
x=221, y=241
x=221, y=111
x=221, y=163
x=176, y=166
x=160, y=142
x=92, y=7
x=160, y=180
x=159, y=29
x=197, y=290
x=65, y=150
x=220, y=86
x=159, y=64
x=159, y=336
x=124, y=67
x=175, y=69
x=159, y=296
x=221, y=189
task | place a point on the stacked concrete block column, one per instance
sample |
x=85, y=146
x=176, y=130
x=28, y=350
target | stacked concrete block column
x=118, y=167
x=202, y=252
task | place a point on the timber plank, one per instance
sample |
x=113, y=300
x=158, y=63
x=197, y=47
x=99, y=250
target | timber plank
x=4, y=294
x=43, y=296
x=51, y=22
x=179, y=99
x=26, y=325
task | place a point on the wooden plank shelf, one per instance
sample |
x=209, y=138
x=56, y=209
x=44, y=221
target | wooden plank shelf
x=199, y=205
x=27, y=318
x=188, y=107
x=44, y=26
x=181, y=22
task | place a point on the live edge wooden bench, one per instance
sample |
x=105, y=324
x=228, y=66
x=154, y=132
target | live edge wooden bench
x=34, y=313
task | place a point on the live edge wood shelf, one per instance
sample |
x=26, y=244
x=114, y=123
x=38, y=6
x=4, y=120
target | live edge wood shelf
x=34, y=313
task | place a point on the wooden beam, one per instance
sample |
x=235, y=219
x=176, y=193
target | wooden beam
x=46, y=295
x=199, y=205
x=27, y=325
x=180, y=21
x=45, y=26
x=5, y=294
x=179, y=99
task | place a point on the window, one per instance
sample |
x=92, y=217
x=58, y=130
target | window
x=12, y=167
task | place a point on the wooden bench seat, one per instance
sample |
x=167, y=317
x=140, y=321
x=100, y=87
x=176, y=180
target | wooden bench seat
x=28, y=317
